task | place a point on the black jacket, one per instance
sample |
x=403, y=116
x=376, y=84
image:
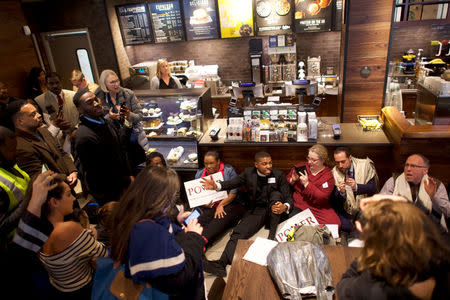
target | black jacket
x=103, y=159
x=249, y=178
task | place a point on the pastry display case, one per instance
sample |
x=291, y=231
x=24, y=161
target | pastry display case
x=174, y=120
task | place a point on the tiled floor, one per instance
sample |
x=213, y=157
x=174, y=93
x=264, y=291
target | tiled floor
x=215, y=251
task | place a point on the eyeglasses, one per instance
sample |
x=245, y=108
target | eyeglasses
x=414, y=166
x=311, y=159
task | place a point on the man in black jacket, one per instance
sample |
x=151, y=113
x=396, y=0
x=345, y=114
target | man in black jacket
x=100, y=149
x=268, y=196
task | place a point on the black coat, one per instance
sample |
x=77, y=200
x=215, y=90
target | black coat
x=100, y=150
x=249, y=179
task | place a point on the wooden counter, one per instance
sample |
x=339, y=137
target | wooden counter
x=433, y=141
x=249, y=281
x=240, y=155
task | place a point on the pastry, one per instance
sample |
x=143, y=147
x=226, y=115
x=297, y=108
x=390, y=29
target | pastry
x=175, y=154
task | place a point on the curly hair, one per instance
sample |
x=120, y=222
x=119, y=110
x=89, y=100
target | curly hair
x=150, y=195
x=402, y=244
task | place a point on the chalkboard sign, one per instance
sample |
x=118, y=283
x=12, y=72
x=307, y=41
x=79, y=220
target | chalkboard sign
x=167, y=21
x=200, y=19
x=134, y=24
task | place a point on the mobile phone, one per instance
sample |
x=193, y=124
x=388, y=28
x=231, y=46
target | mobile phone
x=194, y=215
x=300, y=170
x=336, y=131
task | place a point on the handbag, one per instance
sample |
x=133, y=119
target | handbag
x=110, y=283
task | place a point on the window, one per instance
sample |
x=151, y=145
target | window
x=420, y=10
x=85, y=64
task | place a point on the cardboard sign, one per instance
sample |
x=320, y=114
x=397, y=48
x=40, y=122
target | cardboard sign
x=197, y=195
x=304, y=218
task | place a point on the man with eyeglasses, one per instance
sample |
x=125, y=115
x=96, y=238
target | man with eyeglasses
x=427, y=193
x=355, y=179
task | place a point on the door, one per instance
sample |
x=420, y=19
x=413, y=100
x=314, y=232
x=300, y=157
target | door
x=68, y=50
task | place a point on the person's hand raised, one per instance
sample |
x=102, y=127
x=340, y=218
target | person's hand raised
x=430, y=187
x=209, y=184
x=41, y=185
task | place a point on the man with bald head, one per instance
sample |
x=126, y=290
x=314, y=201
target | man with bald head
x=37, y=149
x=100, y=149
x=427, y=193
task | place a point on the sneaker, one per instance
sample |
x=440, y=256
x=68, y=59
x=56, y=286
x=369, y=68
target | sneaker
x=214, y=267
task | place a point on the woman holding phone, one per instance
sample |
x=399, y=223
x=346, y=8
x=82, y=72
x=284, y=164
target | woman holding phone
x=151, y=243
x=313, y=183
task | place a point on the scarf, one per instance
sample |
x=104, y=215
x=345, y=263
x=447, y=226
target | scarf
x=401, y=187
x=364, y=171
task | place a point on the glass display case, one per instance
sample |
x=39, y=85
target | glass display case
x=174, y=121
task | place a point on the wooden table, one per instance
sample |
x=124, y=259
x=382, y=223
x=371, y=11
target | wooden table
x=248, y=280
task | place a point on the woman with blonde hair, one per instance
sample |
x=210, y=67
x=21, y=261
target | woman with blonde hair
x=121, y=105
x=164, y=78
x=153, y=246
x=313, y=183
x=404, y=256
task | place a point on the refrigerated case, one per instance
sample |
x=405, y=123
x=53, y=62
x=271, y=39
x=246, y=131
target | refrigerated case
x=174, y=121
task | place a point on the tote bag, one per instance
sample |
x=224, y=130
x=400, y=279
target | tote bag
x=111, y=284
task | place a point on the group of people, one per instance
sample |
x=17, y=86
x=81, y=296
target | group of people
x=65, y=144
x=332, y=195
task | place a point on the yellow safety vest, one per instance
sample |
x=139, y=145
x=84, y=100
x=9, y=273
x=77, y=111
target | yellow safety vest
x=16, y=188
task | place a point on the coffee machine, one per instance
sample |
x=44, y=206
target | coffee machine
x=256, y=59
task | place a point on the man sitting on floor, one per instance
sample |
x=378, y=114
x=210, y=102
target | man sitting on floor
x=269, y=196
x=427, y=193
x=355, y=179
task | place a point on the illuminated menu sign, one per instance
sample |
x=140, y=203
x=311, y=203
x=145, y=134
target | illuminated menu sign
x=273, y=17
x=134, y=24
x=312, y=15
x=167, y=21
x=200, y=19
x=236, y=18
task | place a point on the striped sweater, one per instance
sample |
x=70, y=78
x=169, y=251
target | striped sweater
x=70, y=270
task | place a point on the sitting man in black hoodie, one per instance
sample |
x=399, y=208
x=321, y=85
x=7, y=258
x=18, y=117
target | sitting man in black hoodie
x=101, y=150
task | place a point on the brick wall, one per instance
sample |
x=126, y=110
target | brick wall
x=416, y=37
x=232, y=54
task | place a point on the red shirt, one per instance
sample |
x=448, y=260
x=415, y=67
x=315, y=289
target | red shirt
x=316, y=196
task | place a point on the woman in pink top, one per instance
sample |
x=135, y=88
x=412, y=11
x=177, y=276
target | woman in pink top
x=313, y=186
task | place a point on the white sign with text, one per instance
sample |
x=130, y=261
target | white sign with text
x=304, y=218
x=197, y=194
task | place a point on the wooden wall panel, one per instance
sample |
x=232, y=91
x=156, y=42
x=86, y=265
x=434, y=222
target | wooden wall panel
x=368, y=29
x=17, y=55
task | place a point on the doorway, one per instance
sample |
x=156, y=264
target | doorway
x=68, y=50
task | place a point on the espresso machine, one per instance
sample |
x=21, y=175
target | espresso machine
x=283, y=64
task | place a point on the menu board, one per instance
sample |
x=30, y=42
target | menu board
x=236, y=18
x=313, y=15
x=200, y=19
x=134, y=23
x=273, y=17
x=167, y=21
